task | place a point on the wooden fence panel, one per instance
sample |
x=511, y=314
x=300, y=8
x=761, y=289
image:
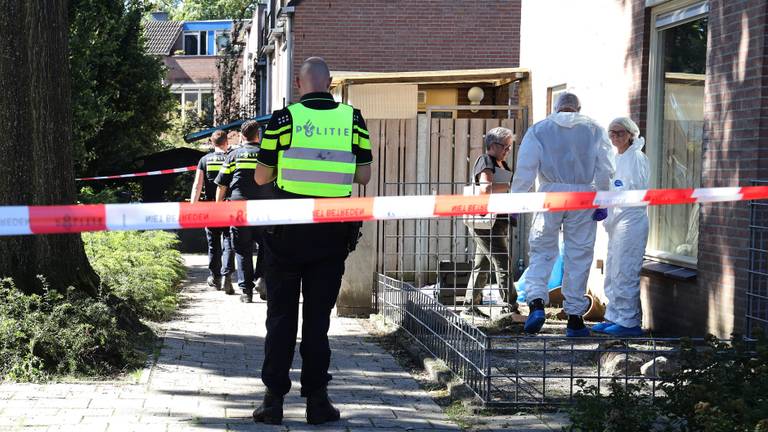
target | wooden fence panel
x=461, y=177
x=450, y=151
x=408, y=149
x=392, y=180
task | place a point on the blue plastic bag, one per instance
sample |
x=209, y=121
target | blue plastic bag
x=555, y=278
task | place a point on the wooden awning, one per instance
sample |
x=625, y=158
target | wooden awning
x=495, y=77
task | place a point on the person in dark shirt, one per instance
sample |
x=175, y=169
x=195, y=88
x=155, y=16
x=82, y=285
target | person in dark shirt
x=492, y=174
x=220, y=254
x=237, y=180
x=316, y=148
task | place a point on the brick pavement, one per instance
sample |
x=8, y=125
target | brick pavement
x=207, y=379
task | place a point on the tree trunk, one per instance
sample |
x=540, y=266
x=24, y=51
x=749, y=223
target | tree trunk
x=35, y=147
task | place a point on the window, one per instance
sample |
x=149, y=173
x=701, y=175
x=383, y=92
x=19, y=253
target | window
x=195, y=43
x=196, y=103
x=223, y=39
x=552, y=94
x=676, y=124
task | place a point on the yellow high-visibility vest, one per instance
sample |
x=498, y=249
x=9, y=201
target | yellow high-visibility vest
x=319, y=161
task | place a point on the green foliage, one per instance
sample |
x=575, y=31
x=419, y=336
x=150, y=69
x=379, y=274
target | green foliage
x=623, y=410
x=720, y=387
x=124, y=193
x=194, y=10
x=179, y=127
x=59, y=334
x=119, y=103
x=143, y=268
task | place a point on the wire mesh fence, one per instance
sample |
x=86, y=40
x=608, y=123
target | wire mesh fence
x=757, y=288
x=511, y=369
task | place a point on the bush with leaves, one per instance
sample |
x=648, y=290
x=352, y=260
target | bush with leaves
x=60, y=334
x=143, y=268
x=720, y=387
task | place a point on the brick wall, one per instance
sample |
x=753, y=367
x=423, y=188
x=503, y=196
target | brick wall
x=192, y=69
x=735, y=151
x=406, y=35
x=637, y=62
x=735, y=131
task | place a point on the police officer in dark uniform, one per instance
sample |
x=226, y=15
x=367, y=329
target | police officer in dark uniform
x=220, y=255
x=238, y=180
x=314, y=148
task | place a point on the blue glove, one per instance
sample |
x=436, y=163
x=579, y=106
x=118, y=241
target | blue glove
x=513, y=219
x=600, y=214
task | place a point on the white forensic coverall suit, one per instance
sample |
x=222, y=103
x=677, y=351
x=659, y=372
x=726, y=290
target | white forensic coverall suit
x=569, y=152
x=627, y=233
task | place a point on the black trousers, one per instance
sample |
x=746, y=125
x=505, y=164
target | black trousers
x=243, y=238
x=306, y=259
x=220, y=254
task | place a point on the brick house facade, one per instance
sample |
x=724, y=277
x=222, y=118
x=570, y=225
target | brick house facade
x=609, y=53
x=382, y=36
x=734, y=153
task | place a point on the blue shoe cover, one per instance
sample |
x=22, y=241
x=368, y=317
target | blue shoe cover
x=535, y=321
x=600, y=327
x=577, y=333
x=621, y=331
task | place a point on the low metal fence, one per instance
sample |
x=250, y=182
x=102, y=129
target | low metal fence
x=505, y=370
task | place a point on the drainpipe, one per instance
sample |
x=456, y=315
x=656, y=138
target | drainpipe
x=288, y=11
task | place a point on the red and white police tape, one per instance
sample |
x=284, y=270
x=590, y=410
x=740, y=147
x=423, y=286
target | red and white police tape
x=19, y=220
x=142, y=174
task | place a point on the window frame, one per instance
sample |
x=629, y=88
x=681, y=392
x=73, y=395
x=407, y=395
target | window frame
x=202, y=42
x=656, y=108
x=198, y=89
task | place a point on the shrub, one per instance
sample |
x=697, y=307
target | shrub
x=59, y=334
x=143, y=268
x=720, y=387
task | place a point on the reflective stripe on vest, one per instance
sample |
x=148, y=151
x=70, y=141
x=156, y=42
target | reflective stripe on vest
x=319, y=161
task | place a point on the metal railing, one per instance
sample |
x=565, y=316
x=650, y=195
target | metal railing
x=511, y=369
x=757, y=288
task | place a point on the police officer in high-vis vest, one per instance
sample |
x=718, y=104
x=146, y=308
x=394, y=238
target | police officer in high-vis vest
x=220, y=255
x=238, y=180
x=314, y=148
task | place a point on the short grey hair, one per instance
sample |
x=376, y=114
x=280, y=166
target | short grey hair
x=628, y=125
x=497, y=135
x=567, y=100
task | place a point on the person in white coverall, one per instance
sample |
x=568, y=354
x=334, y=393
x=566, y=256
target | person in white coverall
x=627, y=232
x=568, y=152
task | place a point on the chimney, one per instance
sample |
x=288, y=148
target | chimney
x=160, y=16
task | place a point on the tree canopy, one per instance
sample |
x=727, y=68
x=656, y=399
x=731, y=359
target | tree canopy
x=120, y=106
x=194, y=10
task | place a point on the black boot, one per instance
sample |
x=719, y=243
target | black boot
x=270, y=411
x=319, y=408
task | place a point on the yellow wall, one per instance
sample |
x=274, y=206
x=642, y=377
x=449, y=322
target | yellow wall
x=440, y=97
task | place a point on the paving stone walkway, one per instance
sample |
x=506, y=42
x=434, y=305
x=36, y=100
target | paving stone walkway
x=207, y=378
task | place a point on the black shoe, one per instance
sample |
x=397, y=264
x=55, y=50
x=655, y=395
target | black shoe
x=247, y=297
x=214, y=281
x=226, y=285
x=319, y=408
x=270, y=411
